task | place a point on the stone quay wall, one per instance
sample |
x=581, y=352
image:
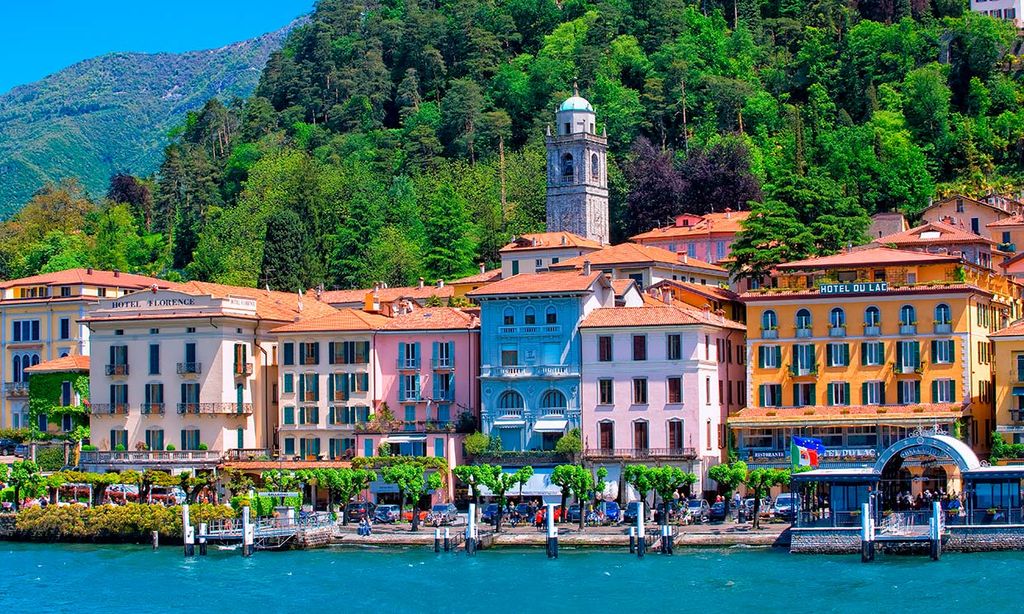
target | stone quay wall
x=957, y=539
x=824, y=541
x=984, y=538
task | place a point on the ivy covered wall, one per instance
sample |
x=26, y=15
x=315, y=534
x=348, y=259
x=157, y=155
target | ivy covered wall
x=44, y=397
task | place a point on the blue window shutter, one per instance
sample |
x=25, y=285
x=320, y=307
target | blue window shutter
x=401, y=387
x=451, y=353
x=365, y=377
x=330, y=387
x=416, y=353
x=316, y=415
x=316, y=352
x=302, y=353
x=439, y=447
x=330, y=352
x=401, y=353
x=316, y=387
x=289, y=446
x=289, y=382
x=302, y=387
x=434, y=352
x=289, y=415
x=917, y=391
x=302, y=415
x=436, y=379
x=289, y=353
x=368, y=447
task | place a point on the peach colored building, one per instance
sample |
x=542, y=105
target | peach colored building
x=944, y=237
x=537, y=251
x=705, y=237
x=971, y=214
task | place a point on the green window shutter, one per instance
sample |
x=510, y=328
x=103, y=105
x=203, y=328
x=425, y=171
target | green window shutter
x=794, y=394
x=316, y=352
x=316, y=415
x=316, y=387
x=760, y=356
x=778, y=355
x=952, y=351
x=864, y=393
x=289, y=353
x=330, y=352
x=846, y=393
x=899, y=394
x=814, y=394
x=302, y=415
x=881, y=393
x=846, y=354
x=935, y=349
x=760, y=395
x=952, y=389
x=289, y=446
x=863, y=354
x=302, y=353
x=899, y=354
x=365, y=377
x=916, y=348
x=330, y=415
x=831, y=397
x=917, y=392
x=289, y=383
x=302, y=387
x=330, y=386
x=366, y=352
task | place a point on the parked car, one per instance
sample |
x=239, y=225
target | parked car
x=354, y=512
x=698, y=510
x=172, y=495
x=573, y=513
x=717, y=511
x=610, y=510
x=631, y=511
x=407, y=515
x=386, y=513
x=7, y=447
x=490, y=513
x=786, y=506
x=443, y=513
x=21, y=450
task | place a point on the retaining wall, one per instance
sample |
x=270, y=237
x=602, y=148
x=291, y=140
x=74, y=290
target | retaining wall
x=824, y=541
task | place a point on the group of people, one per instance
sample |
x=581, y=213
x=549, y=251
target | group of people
x=905, y=501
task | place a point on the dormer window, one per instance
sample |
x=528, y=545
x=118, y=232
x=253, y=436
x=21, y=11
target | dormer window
x=65, y=291
x=568, y=128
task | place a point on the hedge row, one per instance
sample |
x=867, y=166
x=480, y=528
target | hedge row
x=114, y=523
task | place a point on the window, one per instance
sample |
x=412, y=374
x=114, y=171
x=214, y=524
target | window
x=289, y=353
x=154, y=359
x=510, y=358
x=511, y=403
x=872, y=317
x=838, y=354
x=515, y=269
x=942, y=314
x=837, y=318
x=675, y=390
x=289, y=445
x=118, y=438
x=190, y=439
x=118, y=398
x=309, y=415
x=641, y=439
x=289, y=383
x=942, y=351
x=508, y=317
x=770, y=395
x=65, y=328
x=769, y=320
x=190, y=330
x=719, y=250
x=873, y=393
x=803, y=319
x=529, y=316
x=675, y=434
x=567, y=168
x=804, y=359
x=189, y=398
x=769, y=356
x=409, y=387
x=639, y=347
x=309, y=353
x=861, y=436
x=959, y=205
x=803, y=395
x=443, y=386
x=595, y=165
x=154, y=397
x=538, y=263
x=908, y=356
x=908, y=315
x=675, y=347
x=604, y=349
x=839, y=393
x=707, y=391
x=605, y=391
x=908, y=392
x=309, y=387
x=348, y=352
x=943, y=391
x=550, y=315
x=66, y=394
x=25, y=330
x=553, y=402
x=872, y=353
x=640, y=391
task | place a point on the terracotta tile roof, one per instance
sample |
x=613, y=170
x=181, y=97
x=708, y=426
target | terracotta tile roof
x=353, y=320
x=386, y=295
x=1015, y=329
x=1014, y=220
x=658, y=314
x=729, y=222
x=634, y=253
x=433, y=318
x=338, y=297
x=967, y=199
x=947, y=233
x=479, y=278
x=875, y=256
x=620, y=286
x=83, y=276
x=61, y=365
x=541, y=283
x=270, y=305
x=548, y=240
x=713, y=292
x=850, y=414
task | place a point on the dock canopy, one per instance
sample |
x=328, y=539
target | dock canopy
x=539, y=485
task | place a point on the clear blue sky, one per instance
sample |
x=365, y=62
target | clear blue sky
x=40, y=37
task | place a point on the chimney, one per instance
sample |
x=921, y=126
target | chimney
x=728, y=213
x=483, y=268
x=667, y=297
x=563, y=240
x=686, y=258
x=88, y=271
x=586, y=267
x=440, y=283
x=421, y=283
x=117, y=273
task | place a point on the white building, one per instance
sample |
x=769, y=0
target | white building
x=1000, y=9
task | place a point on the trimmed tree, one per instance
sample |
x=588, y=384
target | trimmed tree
x=470, y=476
x=640, y=478
x=760, y=481
x=499, y=483
x=23, y=476
x=728, y=476
x=666, y=482
x=408, y=478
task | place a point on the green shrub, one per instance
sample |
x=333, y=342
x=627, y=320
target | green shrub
x=119, y=447
x=50, y=458
x=476, y=443
x=570, y=443
x=90, y=448
x=132, y=522
x=18, y=435
x=171, y=448
x=203, y=446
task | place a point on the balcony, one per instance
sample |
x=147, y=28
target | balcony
x=405, y=426
x=1017, y=415
x=1007, y=247
x=151, y=457
x=908, y=329
x=116, y=369
x=215, y=408
x=798, y=370
x=769, y=333
x=515, y=371
x=408, y=364
x=509, y=371
x=872, y=330
x=442, y=364
x=642, y=453
x=16, y=389
x=108, y=409
x=943, y=328
x=243, y=369
x=554, y=371
x=804, y=332
x=907, y=369
x=411, y=396
x=149, y=409
x=247, y=454
x=837, y=331
x=190, y=368
x=530, y=330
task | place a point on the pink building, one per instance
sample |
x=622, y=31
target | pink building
x=705, y=237
x=427, y=363
x=651, y=390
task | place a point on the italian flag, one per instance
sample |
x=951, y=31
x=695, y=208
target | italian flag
x=805, y=451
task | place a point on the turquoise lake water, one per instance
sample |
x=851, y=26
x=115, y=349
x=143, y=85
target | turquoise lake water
x=85, y=579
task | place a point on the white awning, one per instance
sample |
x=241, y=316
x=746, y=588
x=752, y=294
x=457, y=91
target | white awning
x=405, y=438
x=509, y=424
x=550, y=425
x=539, y=485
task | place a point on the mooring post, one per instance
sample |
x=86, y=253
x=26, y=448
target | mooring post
x=671, y=540
x=248, y=533
x=936, y=531
x=552, y=531
x=471, y=530
x=867, y=538
x=187, y=532
x=156, y=539
x=202, y=538
x=437, y=540
x=641, y=537
x=632, y=540
x=447, y=540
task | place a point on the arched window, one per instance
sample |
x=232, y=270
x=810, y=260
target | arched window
x=908, y=315
x=803, y=319
x=550, y=315
x=942, y=314
x=17, y=368
x=529, y=316
x=35, y=359
x=837, y=318
x=567, y=168
x=553, y=402
x=872, y=317
x=508, y=317
x=595, y=166
x=511, y=403
x=769, y=320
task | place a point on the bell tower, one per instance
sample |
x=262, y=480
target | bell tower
x=577, y=193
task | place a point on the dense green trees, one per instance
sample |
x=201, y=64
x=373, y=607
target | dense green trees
x=401, y=140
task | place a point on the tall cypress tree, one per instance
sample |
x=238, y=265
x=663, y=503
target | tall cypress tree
x=282, y=252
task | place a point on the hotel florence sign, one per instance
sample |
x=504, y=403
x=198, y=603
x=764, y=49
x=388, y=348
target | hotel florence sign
x=857, y=287
x=153, y=302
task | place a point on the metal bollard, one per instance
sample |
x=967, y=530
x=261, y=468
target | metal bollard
x=471, y=533
x=156, y=539
x=936, y=531
x=632, y=540
x=248, y=533
x=671, y=540
x=188, y=532
x=641, y=535
x=552, y=541
x=202, y=539
x=867, y=538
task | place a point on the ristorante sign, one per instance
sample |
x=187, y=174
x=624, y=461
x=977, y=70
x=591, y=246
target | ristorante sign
x=153, y=302
x=857, y=287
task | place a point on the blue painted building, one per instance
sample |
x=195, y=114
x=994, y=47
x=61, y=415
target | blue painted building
x=530, y=361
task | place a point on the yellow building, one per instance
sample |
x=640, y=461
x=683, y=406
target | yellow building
x=40, y=321
x=860, y=348
x=1008, y=373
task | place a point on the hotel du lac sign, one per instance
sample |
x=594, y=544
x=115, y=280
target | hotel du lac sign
x=858, y=287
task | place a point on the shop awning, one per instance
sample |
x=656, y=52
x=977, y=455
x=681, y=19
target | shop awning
x=509, y=424
x=550, y=425
x=539, y=485
x=1018, y=391
x=405, y=438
